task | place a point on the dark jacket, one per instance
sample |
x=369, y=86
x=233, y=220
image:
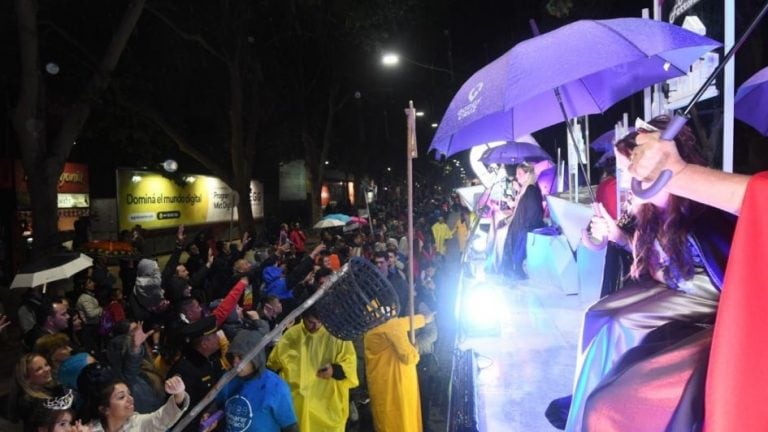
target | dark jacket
x=712, y=233
x=128, y=366
x=199, y=375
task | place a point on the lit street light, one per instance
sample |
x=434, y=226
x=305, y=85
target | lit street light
x=391, y=59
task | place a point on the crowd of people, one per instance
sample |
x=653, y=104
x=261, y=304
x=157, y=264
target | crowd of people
x=134, y=352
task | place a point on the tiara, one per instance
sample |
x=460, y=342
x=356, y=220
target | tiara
x=60, y=403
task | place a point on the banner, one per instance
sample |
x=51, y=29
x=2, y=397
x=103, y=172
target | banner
x=155, y=202
x=72, y=187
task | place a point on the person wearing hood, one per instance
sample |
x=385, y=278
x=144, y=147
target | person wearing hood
x=280, y=286
x=274, y=283
x=148, y=297
x=257, y=399
x=320, y=369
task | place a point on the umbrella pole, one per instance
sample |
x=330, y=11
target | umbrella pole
x=559, y=97
x=579, y=159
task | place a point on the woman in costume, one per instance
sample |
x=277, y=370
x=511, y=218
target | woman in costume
x=641, y=345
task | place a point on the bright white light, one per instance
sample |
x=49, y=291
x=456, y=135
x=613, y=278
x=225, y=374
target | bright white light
x=480, y=242
x=52, y=68
x=419, y=113
x=390, y=59
x=483, y=308
x=326, y=162
x=135, y=178
x=190, y=179
x=434, y=125
x=170, y=165
x=666, y=66
x=389, y=169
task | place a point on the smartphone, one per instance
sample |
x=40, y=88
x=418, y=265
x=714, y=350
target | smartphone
x=213, y=418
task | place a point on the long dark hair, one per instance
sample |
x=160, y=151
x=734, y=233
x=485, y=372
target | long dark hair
x=669, y=226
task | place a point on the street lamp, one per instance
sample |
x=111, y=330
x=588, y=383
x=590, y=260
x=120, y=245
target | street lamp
x=391, y=59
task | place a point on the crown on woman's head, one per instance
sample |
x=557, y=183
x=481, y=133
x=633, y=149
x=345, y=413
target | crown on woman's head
x=61, y=402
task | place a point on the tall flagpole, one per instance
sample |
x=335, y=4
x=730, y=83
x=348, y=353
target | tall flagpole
x=410, y=113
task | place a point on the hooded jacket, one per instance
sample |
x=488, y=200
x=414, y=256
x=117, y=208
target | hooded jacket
x=274, y=283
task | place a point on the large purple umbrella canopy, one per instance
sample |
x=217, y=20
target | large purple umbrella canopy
x=751, y=102
x=595, y=63
x=514, y=153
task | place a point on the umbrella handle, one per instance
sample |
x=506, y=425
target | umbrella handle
x=669, y=133
x=586, y=240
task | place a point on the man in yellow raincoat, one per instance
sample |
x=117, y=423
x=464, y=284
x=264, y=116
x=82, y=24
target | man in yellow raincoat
x=441, y=232
x=393, y=384
x=320, y=369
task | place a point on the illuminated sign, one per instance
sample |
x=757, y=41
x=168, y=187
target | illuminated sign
x=71, y=200
x=156, y=202
x=72, y=186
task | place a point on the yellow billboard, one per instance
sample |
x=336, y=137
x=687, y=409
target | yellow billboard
x=154, y=201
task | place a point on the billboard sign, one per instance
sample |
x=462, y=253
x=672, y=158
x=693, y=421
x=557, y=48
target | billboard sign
x=155, y=202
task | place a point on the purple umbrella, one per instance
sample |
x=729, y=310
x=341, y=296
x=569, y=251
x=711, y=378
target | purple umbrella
x=751, y=102
x=604, y=143
x=595, y=63
x=514, y=153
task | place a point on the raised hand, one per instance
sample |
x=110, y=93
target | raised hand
x=175, y=386
x=603, y=225
x=80, y=427
x=180, y=234
x=138, y=336
x=319, y=248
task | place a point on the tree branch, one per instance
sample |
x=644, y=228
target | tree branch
x=181, y=141
x=188, y=36
x=81, y=109
x=92, y=62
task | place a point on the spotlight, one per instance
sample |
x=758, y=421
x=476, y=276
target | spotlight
x=482, y=308
x=170, y=165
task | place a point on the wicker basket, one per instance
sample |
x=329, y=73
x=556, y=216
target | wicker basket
x=359, y=298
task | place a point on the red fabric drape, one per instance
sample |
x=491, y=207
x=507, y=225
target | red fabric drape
x=737, y=381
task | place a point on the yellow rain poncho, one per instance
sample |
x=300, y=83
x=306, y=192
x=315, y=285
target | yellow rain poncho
x=390, y=366
x=462, y=233
x=321, y=405
x=441, y=232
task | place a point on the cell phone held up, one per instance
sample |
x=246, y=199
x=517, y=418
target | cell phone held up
x=211, y=420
